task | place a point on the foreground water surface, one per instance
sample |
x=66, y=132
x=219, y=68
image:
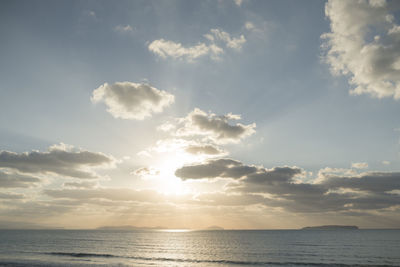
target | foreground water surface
x=200, y=248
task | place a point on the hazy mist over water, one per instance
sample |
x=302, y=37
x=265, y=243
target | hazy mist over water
x=200, y=248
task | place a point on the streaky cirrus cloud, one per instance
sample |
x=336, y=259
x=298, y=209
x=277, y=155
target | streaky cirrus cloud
x=80, y=184
x=62, y=160
x=216, y=128
x=364, y=44
x=128, y=100
x=218, y=40
x=11, y=196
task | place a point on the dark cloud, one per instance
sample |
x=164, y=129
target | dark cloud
x=11, y=180
x=11, y=196
x=203, y=149
x=61, y=160
x=367, y=191
x=224, y=168
x=377, y=182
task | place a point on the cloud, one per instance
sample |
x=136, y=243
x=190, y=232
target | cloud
x=217, y=41
x=364, y=44
x=222, y=168
x=203, y=149
x=373, y=182
x=165, y=49
x=216, y=128
x=11, y=196
x=12, y=180
x=238, y=2
x=127, y=100
x=282, y=187
x=123, y=29
x=60, y=159
x=80, y=184
x=359, y=165
x=112, y=194
x=234, y=43
x=180, y=145
x=146, y=171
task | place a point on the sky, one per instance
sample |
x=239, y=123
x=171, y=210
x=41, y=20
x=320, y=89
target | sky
x=244, y=114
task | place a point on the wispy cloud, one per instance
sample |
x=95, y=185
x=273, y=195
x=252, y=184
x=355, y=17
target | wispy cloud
x=124, y=28
x=218, y=40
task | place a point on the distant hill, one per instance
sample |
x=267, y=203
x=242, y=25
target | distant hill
x=127, y=227
x=331, y=227
x=214, y=227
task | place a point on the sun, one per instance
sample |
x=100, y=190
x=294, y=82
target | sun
x=167, y=182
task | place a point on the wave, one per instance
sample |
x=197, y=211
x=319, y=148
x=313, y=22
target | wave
x=82, y=255
x=222, y=262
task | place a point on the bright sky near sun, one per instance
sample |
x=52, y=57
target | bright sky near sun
x=186, y=114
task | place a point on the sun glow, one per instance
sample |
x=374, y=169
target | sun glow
x=169, y=183
x=166, y=157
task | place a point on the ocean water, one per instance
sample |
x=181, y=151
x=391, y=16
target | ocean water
x=200, y=248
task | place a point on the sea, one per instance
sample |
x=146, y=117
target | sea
x=199, y=248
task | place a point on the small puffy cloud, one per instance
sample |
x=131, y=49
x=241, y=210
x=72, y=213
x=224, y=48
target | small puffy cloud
x=123, y=28
x=238, y=2
x=61, y=160
x=13, y=180
x=364, y=44
x=127, y=100
x=146, y=171
x=217, y=128
x=249, y=26
x=359, y=165
x=217, y=40
x=92, y=14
